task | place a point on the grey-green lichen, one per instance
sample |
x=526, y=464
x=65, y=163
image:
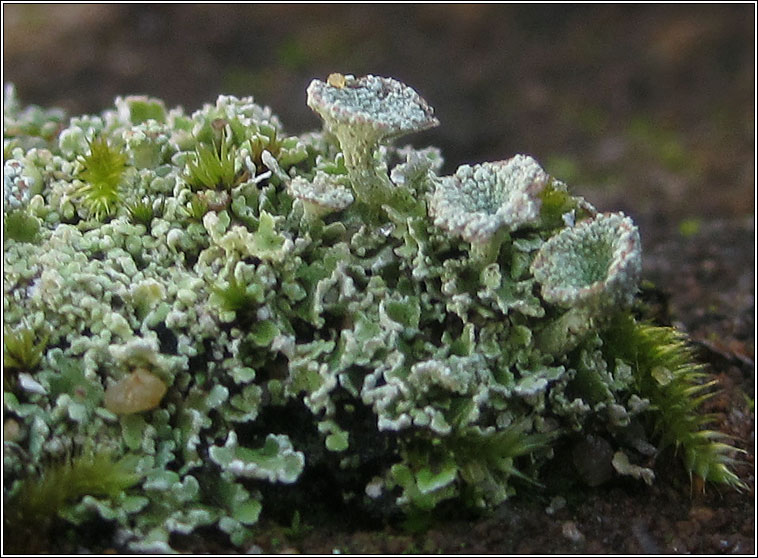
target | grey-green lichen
x=253, y=305
x=478, y=201
x=363, y=113
x=484, y=202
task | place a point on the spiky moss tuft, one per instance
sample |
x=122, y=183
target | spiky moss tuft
x=102, y=173
x=475, y=465
x=196, y=208
x=667, y=374
x=35, y=502
x=213, y=168
x=21, y=349
x=141, y=212
x=236, y=296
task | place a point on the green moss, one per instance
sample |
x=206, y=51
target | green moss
x=22, y=350
x=18, y=225
x=666, y=372
x=35, y=502
x=197, y=207
x=213, y=167
x=141, y=212
x=102, y=173
x=238, y=297
x=263, y=332
x=556, y=201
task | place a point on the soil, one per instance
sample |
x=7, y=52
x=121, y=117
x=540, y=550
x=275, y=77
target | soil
x=649, y=109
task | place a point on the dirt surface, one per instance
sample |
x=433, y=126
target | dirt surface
x=645, y=109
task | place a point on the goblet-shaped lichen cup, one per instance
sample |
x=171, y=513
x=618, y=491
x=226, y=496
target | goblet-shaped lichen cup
x=362, y=113
x=591, y=269
x=482, y=203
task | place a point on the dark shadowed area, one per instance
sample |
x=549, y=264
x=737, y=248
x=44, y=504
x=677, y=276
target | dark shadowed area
x=648, y=109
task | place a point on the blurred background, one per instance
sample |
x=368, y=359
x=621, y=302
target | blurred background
x=643, y=108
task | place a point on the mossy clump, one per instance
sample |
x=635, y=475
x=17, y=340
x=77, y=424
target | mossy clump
x=36, y=502
x=141, y=212
x=102, y=173
x=18, y=225
x=213, y=167
x=667, y=373
x=22, y=349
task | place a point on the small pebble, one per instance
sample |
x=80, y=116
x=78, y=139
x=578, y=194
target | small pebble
x=557, y=503
x=592, y=459
x=11, y=431
x=572, y=532
x=701, y=514
x=644, y=538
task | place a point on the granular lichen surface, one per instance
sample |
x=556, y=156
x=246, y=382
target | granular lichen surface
x=201, y=308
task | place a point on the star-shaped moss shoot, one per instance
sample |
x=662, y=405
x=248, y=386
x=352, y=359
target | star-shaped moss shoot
x=102, y=174
x=320, y=196
x=482, y=203
x=591, y=269
x=364, y=112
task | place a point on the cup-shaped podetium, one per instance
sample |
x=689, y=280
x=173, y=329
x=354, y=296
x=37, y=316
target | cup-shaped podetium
x=589, y=269
x=320, y=196
x=364, y=112
x=482, y=203
x=595, y=264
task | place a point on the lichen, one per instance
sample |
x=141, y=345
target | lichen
x=482, y=202
x=260, y=310
x=363, y=113
x=321, y=196
x=596, y=263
